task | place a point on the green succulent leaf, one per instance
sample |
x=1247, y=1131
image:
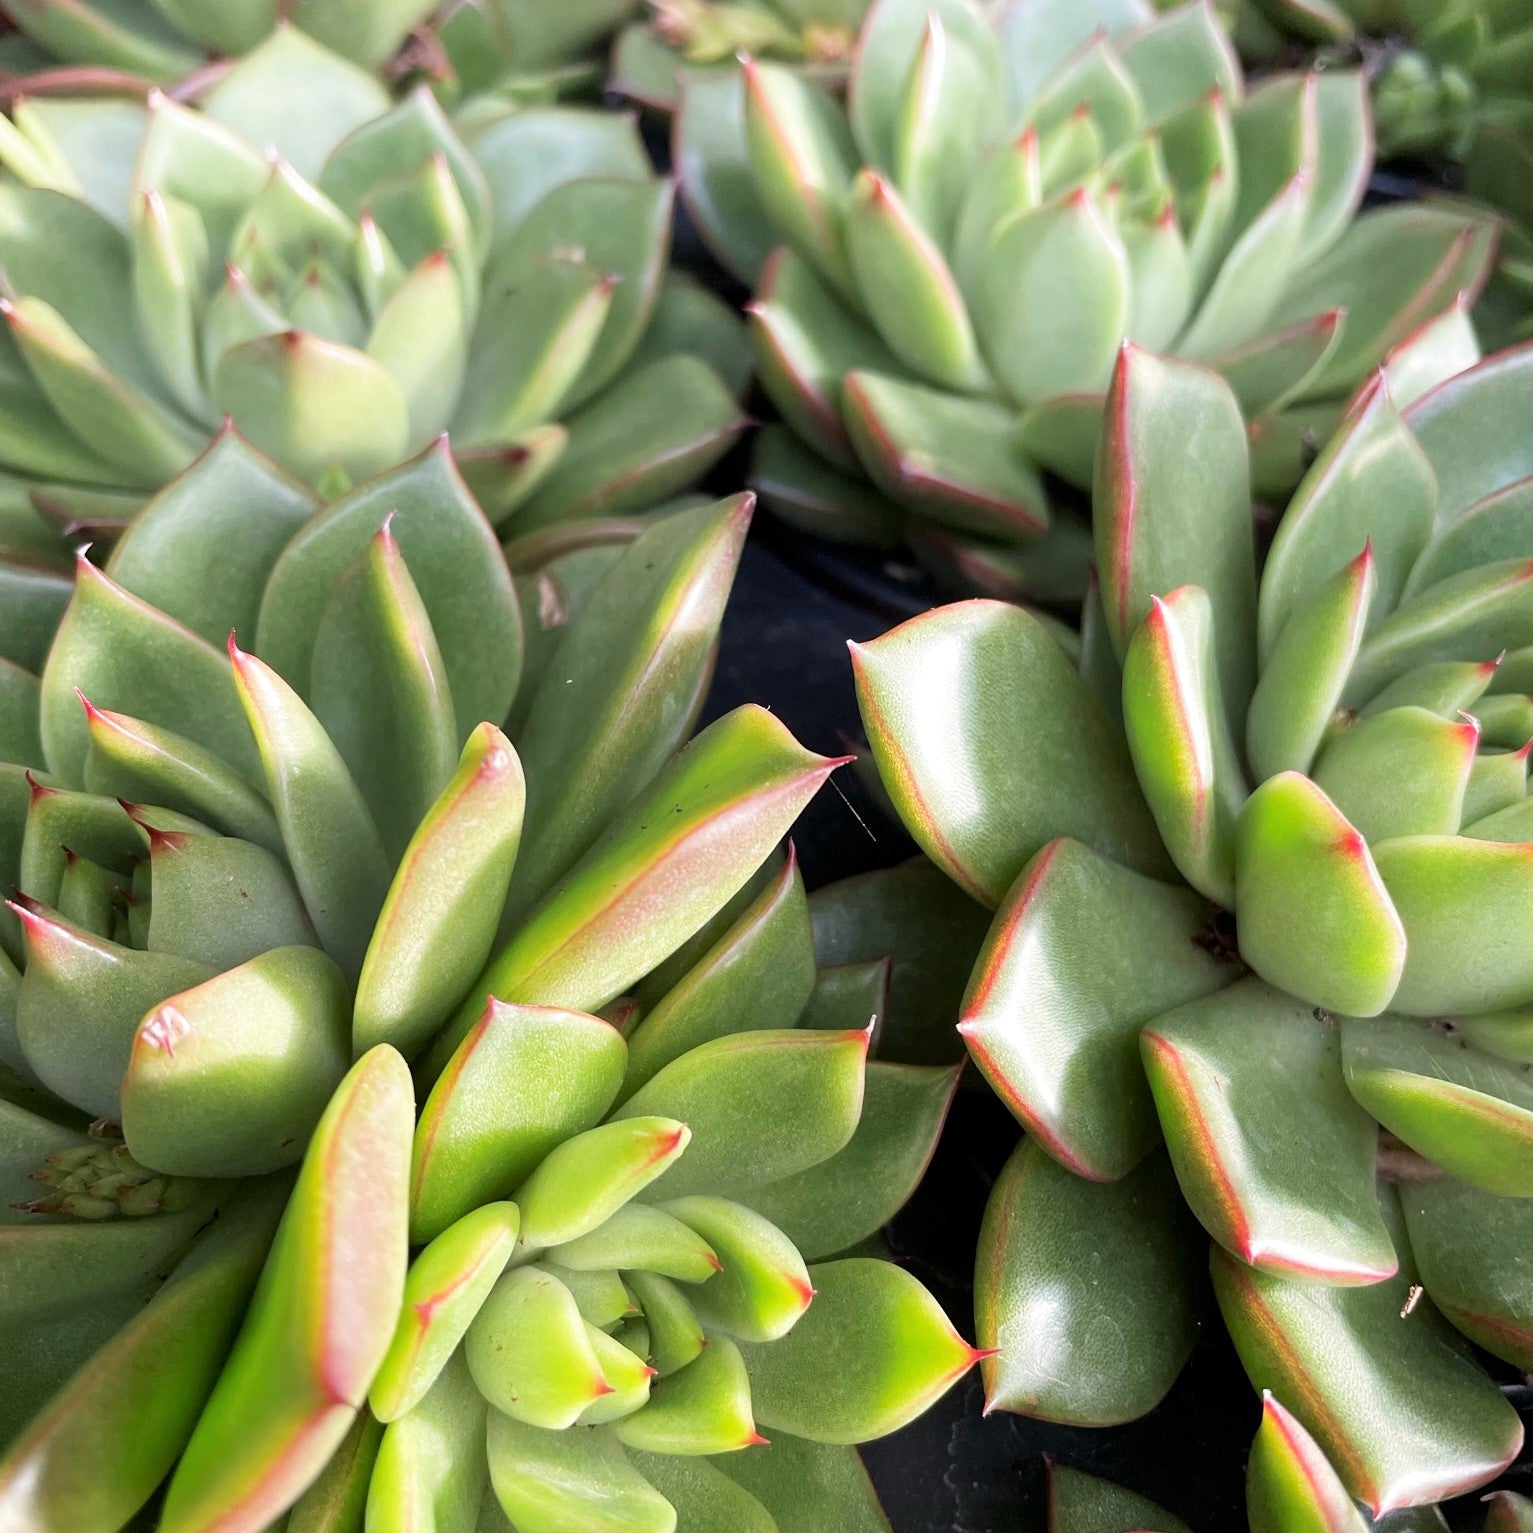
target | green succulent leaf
x=830, y=1207
x=1460, y=901
x=802, y=161
x=944, y=455
x=760, y=1105
x=431, y=1469
x=1348, y=1362
x=1467, y=1245
x=444, y=1289
x=639, y=1236
x=871, y=1353
x=1462, y=428
x=1053, y=765
x=620, y=690
x=332, y=842
x=132, y=760
x=1082, y=954
x=762, y=1287
x=1290, y=1485
x=1306, y=672
x=530, y=1354
x=94, y=1456
x=1273, y=1155
x=453, y=558
x=1401, y=772
x=230, y=1077
x=126, y=656
x=1060, y=262
x=217, y=900
x=547, y=1481
x=763, y=966
x=379, y=687
x=905, y=284
x=1464, y=1109
x=1081, y=1503
x=1180, y=740
x=80, y=1003
x=1066, y=1267
x=709, y=818
x=1316, y=917
x=705, y=1498
x=1173, y=507
x=320, y=1324
x=581, y=1183
x=521, y=1082
x=800, y=1481
x=704, y=1408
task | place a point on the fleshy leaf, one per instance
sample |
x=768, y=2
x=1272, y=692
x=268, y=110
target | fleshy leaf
x=1463, y=1109
x=1273, y=1155
x=1316, y=918
x=1468, y=1246
x=96, y=1454
x=981, y=791
x=1306, y=672
x=522, y=1081
x=1462, y=903
x=548, y=1480
x=1349, y=1364
x=529, y=1353
x=870, y=1354
x=581, y=1183
x=762, y=1288
x=1082, y=953
x=761, y=1105
x=320, y=1326
x=439, y=920
x=619, y=692
x=703, y=825
x=230, y=1078
x=444, y=1289
x=1290, y=1485
x=763, y=968
x=1065, y=1268
x=1173, y=506
x=1081, y=1503
x=1179, y=737
x=331, y=840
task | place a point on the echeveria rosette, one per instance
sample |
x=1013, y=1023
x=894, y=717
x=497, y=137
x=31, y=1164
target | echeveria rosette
x=346, y=279
x=946, y=267
x=161, y=41
x=1261, y=856
x=228, y=880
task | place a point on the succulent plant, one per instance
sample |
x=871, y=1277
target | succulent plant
x=345, y=280
x=161, y=41
x=1261, y=861
x=518, y=51
x=1448, y=77
x=946, y=267
x=241, y=872
x=655, y=54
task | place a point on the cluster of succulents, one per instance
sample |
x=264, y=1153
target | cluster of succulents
x=430, y=1096
x=946, y=266
x=1258, y=854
